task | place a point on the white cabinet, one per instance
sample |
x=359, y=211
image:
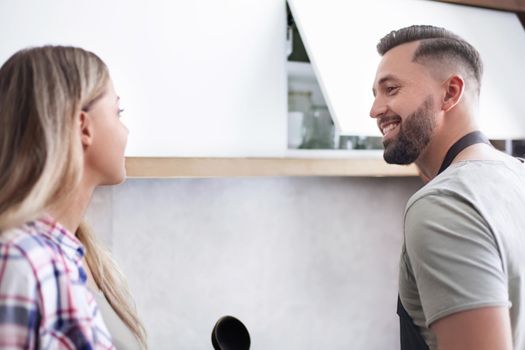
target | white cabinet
x=208, y=78
x=197, y=78
x=340, y=39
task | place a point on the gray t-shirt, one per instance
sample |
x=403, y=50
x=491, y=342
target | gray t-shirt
x=465, y=245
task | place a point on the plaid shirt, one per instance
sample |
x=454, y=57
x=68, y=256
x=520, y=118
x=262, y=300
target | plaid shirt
x=44, y=300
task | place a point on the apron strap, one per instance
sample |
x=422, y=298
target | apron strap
x=464, y=142
x=411, y=338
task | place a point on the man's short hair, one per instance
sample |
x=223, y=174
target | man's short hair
x=436, y=44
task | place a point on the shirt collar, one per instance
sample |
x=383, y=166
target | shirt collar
x=68, y=242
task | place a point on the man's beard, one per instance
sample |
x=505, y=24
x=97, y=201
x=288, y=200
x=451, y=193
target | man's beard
x=413, y=136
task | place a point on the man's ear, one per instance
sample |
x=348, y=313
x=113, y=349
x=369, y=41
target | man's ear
x=86, y=130
x=454, y=87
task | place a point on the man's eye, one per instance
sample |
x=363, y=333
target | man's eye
x=120, y=111
x=391, y=89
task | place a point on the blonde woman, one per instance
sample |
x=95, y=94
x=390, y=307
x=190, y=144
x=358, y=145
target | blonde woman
x=60, y=138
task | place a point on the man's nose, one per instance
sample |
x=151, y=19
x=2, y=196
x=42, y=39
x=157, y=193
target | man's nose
x=378, y=108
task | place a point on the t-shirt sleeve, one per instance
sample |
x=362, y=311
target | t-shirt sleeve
x=454, y=257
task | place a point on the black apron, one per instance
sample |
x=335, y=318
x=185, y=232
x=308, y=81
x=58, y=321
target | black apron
x=410, y=336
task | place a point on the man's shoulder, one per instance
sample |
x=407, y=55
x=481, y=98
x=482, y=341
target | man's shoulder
x=464, y=179
x=434, y=192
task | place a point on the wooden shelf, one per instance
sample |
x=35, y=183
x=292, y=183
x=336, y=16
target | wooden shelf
x=175, y=167
x=505, y=5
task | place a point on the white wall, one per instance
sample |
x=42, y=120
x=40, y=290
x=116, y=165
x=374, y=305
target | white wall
x=305, y=263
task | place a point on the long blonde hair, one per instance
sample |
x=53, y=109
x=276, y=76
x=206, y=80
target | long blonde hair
x=42, y=90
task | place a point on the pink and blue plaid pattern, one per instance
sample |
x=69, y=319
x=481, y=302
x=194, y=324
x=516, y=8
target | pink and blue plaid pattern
x=44, y=300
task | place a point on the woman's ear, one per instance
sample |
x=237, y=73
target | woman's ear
x=454, y=87
x=86, y=130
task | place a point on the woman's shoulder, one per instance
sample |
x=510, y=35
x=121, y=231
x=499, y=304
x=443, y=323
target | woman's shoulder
x=24, y=241
x=25, y=251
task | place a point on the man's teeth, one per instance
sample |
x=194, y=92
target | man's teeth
x=389, y=128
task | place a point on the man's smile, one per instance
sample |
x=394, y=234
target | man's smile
x=388, y=124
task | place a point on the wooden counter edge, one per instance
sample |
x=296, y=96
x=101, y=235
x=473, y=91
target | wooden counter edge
x=175, y=167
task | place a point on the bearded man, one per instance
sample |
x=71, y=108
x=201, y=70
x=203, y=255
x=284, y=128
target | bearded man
x=462, y=268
